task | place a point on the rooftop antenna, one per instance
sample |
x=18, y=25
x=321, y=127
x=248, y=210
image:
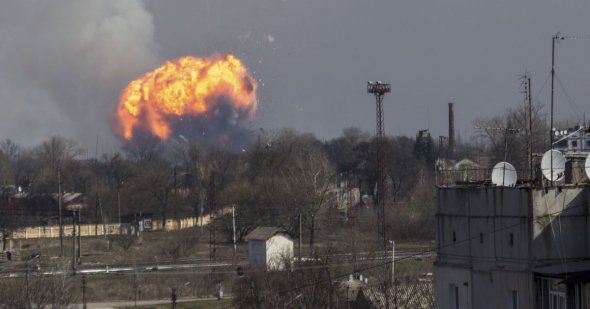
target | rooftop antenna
x=379, y=89
x=506, y=131
x=504, y=175
x=553, y=165
x=587, y=166
x=526, y=83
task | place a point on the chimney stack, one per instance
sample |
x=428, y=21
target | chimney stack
x=451, y=131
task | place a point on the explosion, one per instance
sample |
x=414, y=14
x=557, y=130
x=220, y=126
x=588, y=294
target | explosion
x=215, y=92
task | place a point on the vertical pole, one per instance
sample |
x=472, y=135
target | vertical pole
x=530, y=103
x=352, y=212
x=300, y=225
x=84, y=292
x=96, y=216
x=381, y=162
x=61, y=228
x=393, y=262
x=233, y=216
x=74, y=241
x=552, y=98
x=79, y=237
x=173, y=298
x=119, y=204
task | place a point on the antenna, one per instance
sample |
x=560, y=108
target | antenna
x=553, y=165
x=504, y=175
x=587, y=166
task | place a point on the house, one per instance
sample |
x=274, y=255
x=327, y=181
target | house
x=269, y=248
x=526, y=246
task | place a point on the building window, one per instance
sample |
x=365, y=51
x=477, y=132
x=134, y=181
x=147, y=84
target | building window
x=453, y=297
x=574, y=143
x=481, y=238
x=454, y=236
x=512, y=300
x=511, y=239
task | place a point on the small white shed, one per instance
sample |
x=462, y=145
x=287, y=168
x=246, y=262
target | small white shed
x=269, y=248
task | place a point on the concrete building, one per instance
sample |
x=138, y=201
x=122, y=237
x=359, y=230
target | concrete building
x=518, y=247
x=269, y=248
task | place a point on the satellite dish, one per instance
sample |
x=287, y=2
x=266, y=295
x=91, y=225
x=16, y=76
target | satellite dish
x=587, y=166
x=504, y=175
x=558, y=165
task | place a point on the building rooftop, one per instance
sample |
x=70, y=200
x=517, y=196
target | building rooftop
x=264, y=233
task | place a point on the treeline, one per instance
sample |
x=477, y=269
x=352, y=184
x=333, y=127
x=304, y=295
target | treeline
x=282, y=178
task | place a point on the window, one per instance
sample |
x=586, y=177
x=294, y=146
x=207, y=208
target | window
x=574, y=144
x=453, y=297
x=481, y=238
x=511, y=239
x=454, y=236
x=512, y=300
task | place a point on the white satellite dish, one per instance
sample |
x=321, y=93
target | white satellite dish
x=558, y=163
x=587, y=166
x=504, y=175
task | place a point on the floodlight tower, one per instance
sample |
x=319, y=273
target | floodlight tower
x=379, y=89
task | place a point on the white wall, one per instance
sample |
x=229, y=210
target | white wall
x=279, y=250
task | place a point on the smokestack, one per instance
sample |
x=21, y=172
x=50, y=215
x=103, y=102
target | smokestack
x=451, y=131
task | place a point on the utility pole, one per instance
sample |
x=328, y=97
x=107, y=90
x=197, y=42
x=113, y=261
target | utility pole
x=554, y=39
x=212, y=209
x=233, y=217
x=352, y=216
x=379, y=89
x=84, y=292
x=61, y=228
x=300, y=226
x=74, y=241
x=79, y=253
x=526, y=82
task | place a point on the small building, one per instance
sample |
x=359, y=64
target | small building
x=269, y=248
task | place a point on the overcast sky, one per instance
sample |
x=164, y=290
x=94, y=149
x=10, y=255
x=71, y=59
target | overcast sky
x=312, y=59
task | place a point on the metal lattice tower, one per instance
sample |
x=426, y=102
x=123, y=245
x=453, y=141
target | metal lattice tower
x=379, y=89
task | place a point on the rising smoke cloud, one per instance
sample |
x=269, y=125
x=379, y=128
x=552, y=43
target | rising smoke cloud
x=63, y=63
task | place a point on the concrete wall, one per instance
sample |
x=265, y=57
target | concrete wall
x=444, y=277
x=484, y=227
x=279, y=252
x=489, y=239
x=561, y=226
x=113, y=228
x=493, y=289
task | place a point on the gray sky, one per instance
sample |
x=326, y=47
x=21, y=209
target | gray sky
x=313, y=59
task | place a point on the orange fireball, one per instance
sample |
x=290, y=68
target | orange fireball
x=187, y=87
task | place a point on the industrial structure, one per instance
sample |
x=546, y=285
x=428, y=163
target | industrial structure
x=379, y=89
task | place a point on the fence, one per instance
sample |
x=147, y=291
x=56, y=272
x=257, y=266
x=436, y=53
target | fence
x=113, y=228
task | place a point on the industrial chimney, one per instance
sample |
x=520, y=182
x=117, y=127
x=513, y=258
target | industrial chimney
x=451, y=151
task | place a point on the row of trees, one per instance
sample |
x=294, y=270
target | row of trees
x=282, y=179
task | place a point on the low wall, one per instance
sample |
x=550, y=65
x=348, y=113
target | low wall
x=112, y=228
